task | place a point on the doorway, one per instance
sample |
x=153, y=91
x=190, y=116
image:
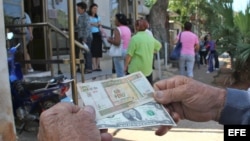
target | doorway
x=36, y=47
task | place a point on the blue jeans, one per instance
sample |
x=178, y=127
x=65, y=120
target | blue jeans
x=188, y=62
x=216, y=59
x=119, y=63
x=210, y=62
x=88, y=56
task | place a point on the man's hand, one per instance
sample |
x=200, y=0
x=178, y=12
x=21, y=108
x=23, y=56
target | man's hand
x=189, y=99
x=65, y=122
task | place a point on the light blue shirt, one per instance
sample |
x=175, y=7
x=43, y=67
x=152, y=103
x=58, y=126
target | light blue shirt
x=94, y=20
x=27, y=21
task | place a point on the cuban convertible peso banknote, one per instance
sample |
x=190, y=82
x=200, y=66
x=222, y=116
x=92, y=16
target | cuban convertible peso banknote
x=149, y=114
x=110, y=97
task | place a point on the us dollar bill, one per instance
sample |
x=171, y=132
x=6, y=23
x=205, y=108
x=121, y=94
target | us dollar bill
x=113, y=96
x=149, y=114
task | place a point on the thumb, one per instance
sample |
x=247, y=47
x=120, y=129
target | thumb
x=162, y=98
x=90, y=111
x=106, y=137
x=170, y=95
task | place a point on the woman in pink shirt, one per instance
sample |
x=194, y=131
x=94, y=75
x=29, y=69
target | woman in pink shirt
x=122, y=35
x=190, y=43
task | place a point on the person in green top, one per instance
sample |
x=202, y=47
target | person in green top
x=141, y=50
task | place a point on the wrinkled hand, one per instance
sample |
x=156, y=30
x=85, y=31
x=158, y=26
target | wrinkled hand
x=189, y=99
x=65, y=122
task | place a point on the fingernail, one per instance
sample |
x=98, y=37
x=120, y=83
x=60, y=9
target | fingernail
x=89, y=109
x=158, y=94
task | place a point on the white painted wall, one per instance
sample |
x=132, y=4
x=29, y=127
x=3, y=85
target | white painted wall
x=7, y=127
x=104, y=12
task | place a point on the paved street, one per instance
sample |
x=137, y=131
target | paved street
x=184, y=131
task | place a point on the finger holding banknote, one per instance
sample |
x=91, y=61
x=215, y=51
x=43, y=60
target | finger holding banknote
x=189, y=99
x=66, y=121
x=162, y=130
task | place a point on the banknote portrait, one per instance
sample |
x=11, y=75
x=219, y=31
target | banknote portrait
x=132, y=115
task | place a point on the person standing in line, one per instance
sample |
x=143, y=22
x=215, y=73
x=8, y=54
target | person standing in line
x=84, y=35
x=190, y=43
x=211, y=45
x=141, y=51
x=202, y=52
x=29, y=38
x=216, y=59
x=96, y=45
x=122, y=35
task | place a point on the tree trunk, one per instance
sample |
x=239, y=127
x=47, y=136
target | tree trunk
x=158, y=20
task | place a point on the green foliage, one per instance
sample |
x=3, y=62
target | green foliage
x=242, y=21
x=233, y=33
x=244, y=54
x=219, y=22
x=185, y=8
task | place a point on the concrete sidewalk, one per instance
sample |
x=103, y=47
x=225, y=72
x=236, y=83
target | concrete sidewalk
x=185, y=131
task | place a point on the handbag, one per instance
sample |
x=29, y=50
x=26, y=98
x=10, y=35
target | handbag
x=115, y=51
x=176, y=53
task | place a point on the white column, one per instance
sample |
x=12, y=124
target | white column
x=7, y=127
